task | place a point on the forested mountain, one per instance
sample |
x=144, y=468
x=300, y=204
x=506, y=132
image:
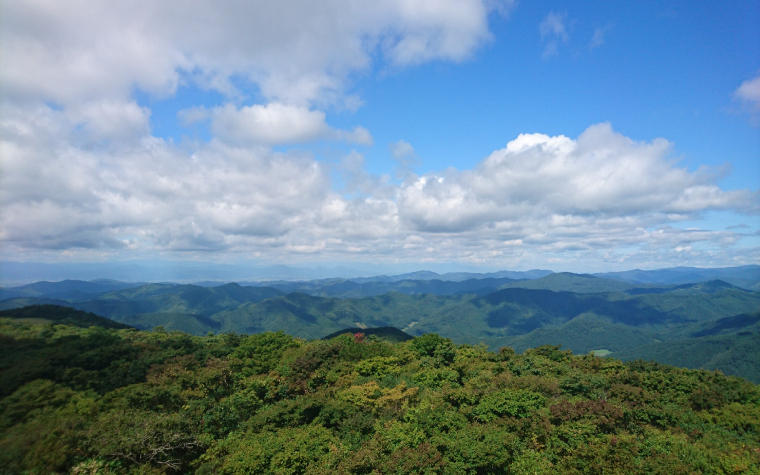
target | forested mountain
x=580, y=312
x=94, y=400
x=66, y=289
x=457, y=276
x=341, y=288
x=57, y=315
x=747, y=277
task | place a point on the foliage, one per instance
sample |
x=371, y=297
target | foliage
x=57, y=314
x=94, y=400
x=394, y=335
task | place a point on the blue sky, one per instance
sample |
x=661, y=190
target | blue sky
x=340, y=132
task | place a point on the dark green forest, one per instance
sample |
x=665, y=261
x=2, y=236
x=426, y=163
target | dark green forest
x=80, y=398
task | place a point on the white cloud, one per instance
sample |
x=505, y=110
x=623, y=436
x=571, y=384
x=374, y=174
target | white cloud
x=600, y=175
x=401, y=150
x=111, y=120
x=749, y=91
x=554, y=26
x=270, y=124
x=748, y=94
x=405, y=157
x=82, y=174
x=553, y=30
x=598, y=39
x=539, y=197
x=278, y=124
x=358, y=135
x=296, y=51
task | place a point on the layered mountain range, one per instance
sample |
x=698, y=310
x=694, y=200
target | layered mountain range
x=683, y=316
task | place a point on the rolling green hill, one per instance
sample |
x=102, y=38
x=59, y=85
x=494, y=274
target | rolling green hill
x=55, y=314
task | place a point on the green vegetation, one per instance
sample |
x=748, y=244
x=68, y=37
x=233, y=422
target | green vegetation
x=57, y=314
x=664, y=323
x=391, y=334
x=95, y=400
x=739, y=352
x=567, y=282
x=492, y=318
x=747, y=277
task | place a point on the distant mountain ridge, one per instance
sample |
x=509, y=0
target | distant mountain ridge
x=66, y=289
x=132, y=273
x=747, y=277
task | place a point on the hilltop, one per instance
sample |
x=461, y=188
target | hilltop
x=95, y=400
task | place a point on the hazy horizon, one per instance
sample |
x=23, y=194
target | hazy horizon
x=194, y=272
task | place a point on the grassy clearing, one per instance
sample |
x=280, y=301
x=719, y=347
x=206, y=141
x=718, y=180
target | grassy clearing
x=601, y=352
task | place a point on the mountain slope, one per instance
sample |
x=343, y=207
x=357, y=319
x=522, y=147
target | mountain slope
x=339, y=288
x=60, y=316
x=179, y=299
x=568, y=282
x=747, y=277
x=65, y=289
x=307, y=316
x=582, y=334
x=737, y=354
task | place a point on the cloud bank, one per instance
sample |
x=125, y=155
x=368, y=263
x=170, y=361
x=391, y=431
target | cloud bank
x=596, y=195
x=82, y=174
x=295, y=51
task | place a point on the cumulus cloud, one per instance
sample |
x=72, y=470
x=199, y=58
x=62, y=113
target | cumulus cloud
x=59, y=196
x=83, y=174
x=295, y=51
x=599, y=176
x=278, y=124
x=540, y=196
x=111, y=120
